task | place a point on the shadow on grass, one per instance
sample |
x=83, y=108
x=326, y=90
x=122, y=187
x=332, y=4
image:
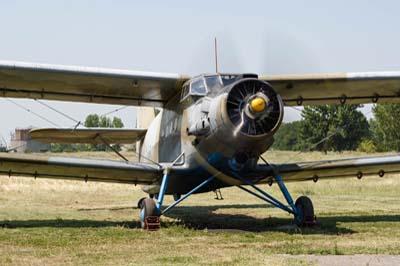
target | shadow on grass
x=213, y=207
x=201, y=218
x=205, y=217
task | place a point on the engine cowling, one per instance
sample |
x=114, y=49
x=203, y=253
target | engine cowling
x=244, y=119
x=255, y=107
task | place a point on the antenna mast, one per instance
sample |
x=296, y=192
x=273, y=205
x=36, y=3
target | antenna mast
x=216, y=54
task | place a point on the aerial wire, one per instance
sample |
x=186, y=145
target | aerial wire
x=216, y=55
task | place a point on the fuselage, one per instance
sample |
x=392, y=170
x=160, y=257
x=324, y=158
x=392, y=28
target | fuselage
x=218, y=125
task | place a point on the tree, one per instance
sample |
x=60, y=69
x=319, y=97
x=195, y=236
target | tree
x=93, y=120
x=288, y=136
x=117, y=122
x=386, y=127
x=333, y=127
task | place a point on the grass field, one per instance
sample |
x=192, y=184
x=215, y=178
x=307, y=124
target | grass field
x=48, y=222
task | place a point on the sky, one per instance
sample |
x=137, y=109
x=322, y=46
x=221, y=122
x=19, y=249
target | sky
x=264, y=37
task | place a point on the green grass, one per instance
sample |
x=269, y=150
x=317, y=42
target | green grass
x=48, y=222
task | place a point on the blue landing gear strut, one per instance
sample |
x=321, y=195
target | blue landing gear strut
x=302, y=210
x=157, y=210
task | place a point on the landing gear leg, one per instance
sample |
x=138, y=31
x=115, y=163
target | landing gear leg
x=302, y=210
x=150, y=210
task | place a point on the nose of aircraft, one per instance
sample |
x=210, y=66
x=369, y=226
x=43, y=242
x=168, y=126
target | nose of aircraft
x=254, y=108
x=257, y=104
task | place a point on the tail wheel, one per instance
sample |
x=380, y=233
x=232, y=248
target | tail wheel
x=305, y=211
x=147, y=208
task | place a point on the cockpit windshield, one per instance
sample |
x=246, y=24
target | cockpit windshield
x=214, y=82
x=219, y=81
x=205, y=84
x=228, y=79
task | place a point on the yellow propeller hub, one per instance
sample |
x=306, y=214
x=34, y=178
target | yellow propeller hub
x=258, y=104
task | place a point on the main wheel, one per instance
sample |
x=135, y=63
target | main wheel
x=177, y=196
x=153, y=196
x=147, y=208
x=140, y=202
x=305, y=215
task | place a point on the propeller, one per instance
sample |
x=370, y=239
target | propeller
x=254, y=107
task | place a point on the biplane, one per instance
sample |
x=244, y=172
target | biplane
x=194, y=134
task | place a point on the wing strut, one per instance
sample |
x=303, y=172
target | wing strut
x=111, y=147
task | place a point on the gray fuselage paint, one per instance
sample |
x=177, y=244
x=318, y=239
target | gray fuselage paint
x=170, y=146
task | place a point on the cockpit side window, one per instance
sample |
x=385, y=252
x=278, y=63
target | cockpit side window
x=198, y=87
x=185, y=91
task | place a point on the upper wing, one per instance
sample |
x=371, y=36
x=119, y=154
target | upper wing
x=79, y=169
x=87, y=84
x=353, y=167
x=352, y=88
x=87, y=135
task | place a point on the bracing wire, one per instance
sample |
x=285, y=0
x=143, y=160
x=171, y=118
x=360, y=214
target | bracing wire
x=3, y=140
x=32, y=112
x=72, y=119
x=114, y=111
x=77, y=122
x=57, y=111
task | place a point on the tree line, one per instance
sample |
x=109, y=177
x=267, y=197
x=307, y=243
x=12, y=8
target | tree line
x=342, y=127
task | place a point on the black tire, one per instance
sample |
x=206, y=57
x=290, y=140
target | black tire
x=177, y=196
x=147, y=209
x=306, y=211
x=140, y=202
x=153, y=196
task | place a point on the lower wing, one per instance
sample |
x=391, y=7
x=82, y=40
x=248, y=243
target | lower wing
x=79, y=169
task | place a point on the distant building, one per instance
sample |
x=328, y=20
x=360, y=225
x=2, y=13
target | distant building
x=21, y=142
